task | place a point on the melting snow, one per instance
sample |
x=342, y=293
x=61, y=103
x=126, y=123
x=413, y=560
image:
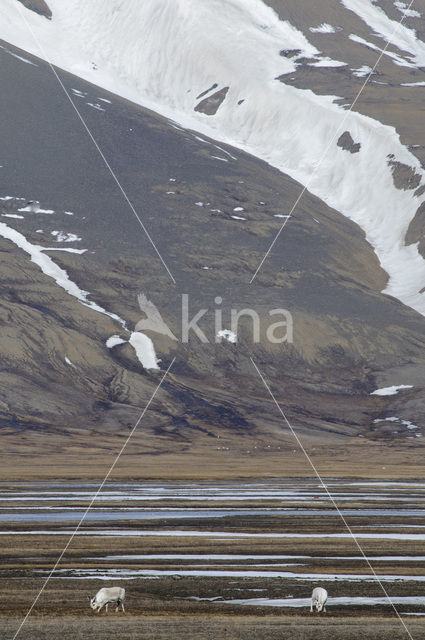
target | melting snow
x=362, y=72
x=391, y=391
x=18, y=57
x=95, y=106
x=327, y=62
x=323, y=28
x=406, y=423
x=391, y=31
x=142, y=345
x=61, y=236
x=398, y=60
x=228, y=335
x=30, y=209
x=113, y=341
x=409, y=13
x=52, y=270
x=144, y=349
x=79, y=93
x=66, y=249
x=353, y=600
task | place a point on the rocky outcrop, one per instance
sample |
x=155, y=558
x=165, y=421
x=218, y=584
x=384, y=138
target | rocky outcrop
x=38, y=6
x=346, y=142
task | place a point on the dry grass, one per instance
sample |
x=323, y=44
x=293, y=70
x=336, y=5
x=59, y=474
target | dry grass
x=210, y=627
x=359, y=458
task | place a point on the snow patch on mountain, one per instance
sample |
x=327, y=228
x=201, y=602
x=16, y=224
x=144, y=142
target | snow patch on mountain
x=142, y=344
x=323, y=28
x=390, y=391
x=392, y=31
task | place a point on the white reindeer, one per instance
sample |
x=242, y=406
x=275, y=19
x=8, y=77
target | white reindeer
x=106, y=596
x=318, y=599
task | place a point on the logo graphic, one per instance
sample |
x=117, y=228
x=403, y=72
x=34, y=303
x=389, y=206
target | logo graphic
x=275, y=333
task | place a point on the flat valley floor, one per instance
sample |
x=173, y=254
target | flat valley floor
x=222, y=559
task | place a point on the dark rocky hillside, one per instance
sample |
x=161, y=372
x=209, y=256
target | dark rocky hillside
x=62, y=390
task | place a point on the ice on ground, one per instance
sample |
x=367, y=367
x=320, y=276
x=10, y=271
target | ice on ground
x=68, y=213
x=341, y=601
x=199, y=204
x=323, y=28
x=390, y=391
x=238, y=209
x=68, y=361
x=105, y=100
x=113, y=341
x=412, y=613
x=144, y=349
x=281, y=215
x=210, y=557
x=237, y=218
x=228, y=573
x=228, y=335
x=413, y=84
x=61, y=236
x=12, y=215
x=218, y=158
x=7, y=198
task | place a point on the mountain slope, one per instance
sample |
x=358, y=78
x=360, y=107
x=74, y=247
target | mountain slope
x=65, y=394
